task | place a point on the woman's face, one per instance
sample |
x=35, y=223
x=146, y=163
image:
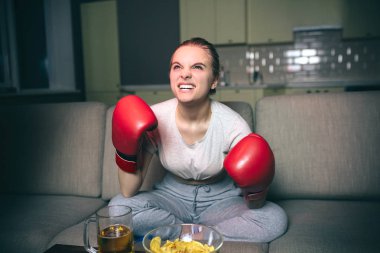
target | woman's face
x=191, y=76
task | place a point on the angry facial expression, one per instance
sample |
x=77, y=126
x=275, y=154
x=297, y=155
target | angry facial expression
x=191, y=76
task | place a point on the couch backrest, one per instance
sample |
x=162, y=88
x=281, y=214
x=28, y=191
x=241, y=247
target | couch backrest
x=154, y=170
x=52, y=148
x=325, y=145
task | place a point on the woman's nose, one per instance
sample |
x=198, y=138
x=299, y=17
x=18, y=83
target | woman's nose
x=185, y=73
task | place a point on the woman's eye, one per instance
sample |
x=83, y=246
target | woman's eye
x=175, y=67
x=198, y=67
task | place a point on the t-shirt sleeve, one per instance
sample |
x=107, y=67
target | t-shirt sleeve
x=239, y=131
x=235, y=126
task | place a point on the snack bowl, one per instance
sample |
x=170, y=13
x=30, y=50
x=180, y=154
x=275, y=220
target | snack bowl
x=179, y=236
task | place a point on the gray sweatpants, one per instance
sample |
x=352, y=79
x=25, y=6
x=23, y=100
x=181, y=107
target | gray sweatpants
x=218, y=205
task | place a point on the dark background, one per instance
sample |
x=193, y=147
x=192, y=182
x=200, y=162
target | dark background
x=147, y=40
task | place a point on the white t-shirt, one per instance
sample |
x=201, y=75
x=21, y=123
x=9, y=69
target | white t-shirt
x=204, y=158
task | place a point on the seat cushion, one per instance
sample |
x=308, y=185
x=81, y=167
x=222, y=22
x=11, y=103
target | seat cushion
x=329, y=226
x=33, y=220
x=244, y=247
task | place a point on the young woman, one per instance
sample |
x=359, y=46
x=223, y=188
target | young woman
x=192, y=135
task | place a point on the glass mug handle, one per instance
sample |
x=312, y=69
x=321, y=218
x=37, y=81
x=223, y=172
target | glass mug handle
x=86, y=239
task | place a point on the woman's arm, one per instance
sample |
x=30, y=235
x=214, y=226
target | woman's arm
x=130, y=183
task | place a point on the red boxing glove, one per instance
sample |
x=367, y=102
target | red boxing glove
x=132, y=117
x=250, y=163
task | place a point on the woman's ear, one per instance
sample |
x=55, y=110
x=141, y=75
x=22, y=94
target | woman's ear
x=214, y=83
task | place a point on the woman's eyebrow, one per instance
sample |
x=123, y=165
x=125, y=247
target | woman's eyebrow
x=199, y=64
x=175, y=62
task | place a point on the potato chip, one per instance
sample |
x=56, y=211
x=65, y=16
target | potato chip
x=155, y=244
x=178, y=246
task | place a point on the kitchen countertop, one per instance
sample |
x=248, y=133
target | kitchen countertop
x=129, y=88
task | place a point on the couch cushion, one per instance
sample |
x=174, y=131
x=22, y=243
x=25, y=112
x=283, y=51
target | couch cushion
x=33, y=220
x=325, y=145
x=329, y=226
x=154, y=171
x=244, y=247
x=52, y=148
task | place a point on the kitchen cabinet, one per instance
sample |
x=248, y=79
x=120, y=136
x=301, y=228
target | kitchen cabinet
x=100, y=51
x=218, y=21
x=230, y=21
x=273, y=21
x=197, y=19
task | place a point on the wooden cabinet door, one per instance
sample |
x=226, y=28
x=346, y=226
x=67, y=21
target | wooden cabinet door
x=230, y=21
x=197, y=19
x=100, y=51
x=274, y=20
x=218, y=21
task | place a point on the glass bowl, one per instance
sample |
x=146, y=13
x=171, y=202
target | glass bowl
x=184, y=232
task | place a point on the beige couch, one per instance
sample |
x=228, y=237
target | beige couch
x=57, y=168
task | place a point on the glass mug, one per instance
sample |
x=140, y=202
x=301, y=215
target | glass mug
x=114, y=230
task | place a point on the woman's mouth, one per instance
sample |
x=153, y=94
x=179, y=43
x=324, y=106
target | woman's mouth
x=186, y=86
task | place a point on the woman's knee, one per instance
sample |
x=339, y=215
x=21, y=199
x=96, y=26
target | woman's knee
x=272, y=218
x=136, y=202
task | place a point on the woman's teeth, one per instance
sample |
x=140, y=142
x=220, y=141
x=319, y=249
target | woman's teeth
x=185, y=86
